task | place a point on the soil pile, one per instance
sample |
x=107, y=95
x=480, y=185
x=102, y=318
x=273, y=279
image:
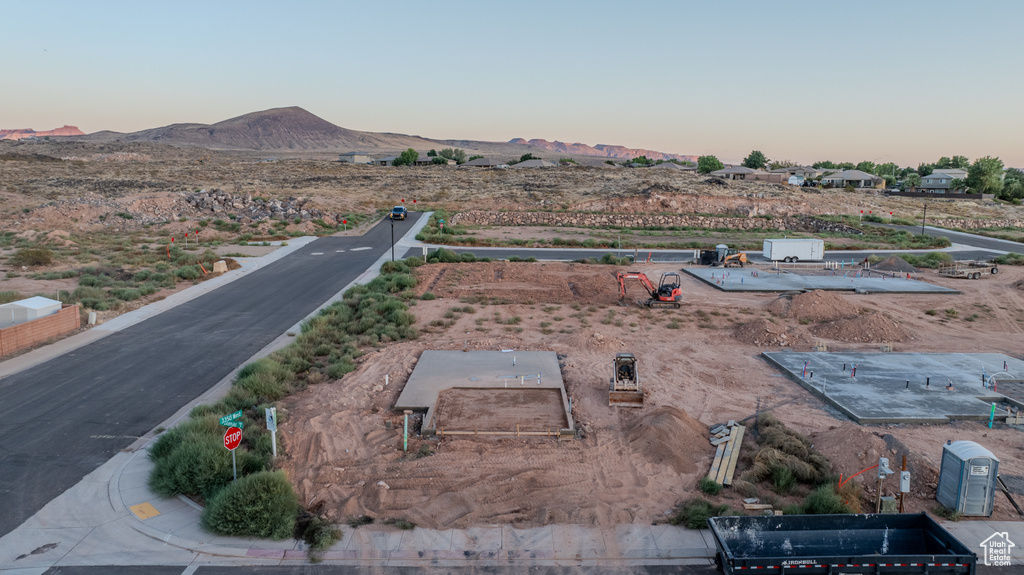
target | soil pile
x=814, y=306
x=871, y=328
x=764, y=333
x=894, y=264
x=1019, y=284
x=668, y=436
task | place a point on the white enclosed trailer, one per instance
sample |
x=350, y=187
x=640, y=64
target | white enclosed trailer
x=793, y=250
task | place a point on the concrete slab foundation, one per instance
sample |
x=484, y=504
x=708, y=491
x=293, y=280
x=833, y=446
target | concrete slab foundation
x=878, y=391
x=535, y=373
x=750, y=280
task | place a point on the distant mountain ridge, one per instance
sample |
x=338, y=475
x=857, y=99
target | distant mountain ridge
x=604, y=150
x=20, y=134
x=294, y=129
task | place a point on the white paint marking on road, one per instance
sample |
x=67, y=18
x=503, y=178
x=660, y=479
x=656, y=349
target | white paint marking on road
x=316, y=254
x=113, y=437
x=338, y=251
x=360, y=249
x=190, y=570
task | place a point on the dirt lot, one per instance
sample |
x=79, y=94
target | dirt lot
x=700, y=366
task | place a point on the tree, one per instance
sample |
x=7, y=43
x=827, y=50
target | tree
x=439, y=161
x=457, y=154
x=958, y=184
x=406, y=158
x=471, y=158
x=825, y=164
x=755, y=161
x=959, y=162
x=846, y=166
x=432, y=153
x=866, y=166
x=642, y=160
x=887, y=169
x=708, y=164
x=985, y=176
x=1013, y=186
x=527, y=156
x=912, y=181
x=776, y=164
x=925, y=169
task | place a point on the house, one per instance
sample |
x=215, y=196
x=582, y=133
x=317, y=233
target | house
x=674, y=167
x=429, y=161
x=534, y=164
x=355, y=158
x=482, y=163
x=802, y=171
x=385, y=161
x=733, y=173
x=855, y=178
x=941, y=181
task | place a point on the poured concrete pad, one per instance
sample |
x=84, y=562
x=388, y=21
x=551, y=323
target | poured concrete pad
x=480, y=371
x=879, y=392
x=745, y=279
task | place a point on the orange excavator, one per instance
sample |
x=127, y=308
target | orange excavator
x=666, y=294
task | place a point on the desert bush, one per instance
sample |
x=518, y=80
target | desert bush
x=260, y=505
x=188, y=272
x=1010, y=260
x=428, y=296
x=709, y=486
x=694, y=513
x=197, y=465
x=31, y=257
x=824, y=501
x=126, y=294
x=783, y=480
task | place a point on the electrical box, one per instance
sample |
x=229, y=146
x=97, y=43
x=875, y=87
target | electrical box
x=904, y=482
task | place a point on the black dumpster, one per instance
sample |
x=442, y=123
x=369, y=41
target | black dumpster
x=839, y=544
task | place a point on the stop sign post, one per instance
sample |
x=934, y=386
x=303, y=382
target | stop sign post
x=233, y=437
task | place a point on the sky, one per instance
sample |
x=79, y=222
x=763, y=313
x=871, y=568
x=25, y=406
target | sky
x=803, y=81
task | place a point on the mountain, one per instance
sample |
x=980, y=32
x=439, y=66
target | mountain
x=19, y=134
x=277, y=129
x=294, y=129
x=603, y=150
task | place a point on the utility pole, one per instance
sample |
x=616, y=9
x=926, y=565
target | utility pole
x=923, y=218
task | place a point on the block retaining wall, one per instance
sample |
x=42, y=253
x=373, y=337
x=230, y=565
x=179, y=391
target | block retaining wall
x=23, y=336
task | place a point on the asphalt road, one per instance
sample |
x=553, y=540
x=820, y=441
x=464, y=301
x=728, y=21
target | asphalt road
x=64, y=418
x=661, y=256
x=972, y=240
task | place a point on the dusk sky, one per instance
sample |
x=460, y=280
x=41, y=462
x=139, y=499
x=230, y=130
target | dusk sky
x=799, y=80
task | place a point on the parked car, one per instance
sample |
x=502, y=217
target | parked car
x=398, y=213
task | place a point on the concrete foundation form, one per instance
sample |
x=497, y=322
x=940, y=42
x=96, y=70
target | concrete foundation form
x=752, y=280
x=876, y=387
x=517, y=393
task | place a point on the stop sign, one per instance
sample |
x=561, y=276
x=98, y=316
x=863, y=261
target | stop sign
x=232, y=437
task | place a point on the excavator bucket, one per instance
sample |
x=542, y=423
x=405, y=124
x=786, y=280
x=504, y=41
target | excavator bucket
x=624, y=386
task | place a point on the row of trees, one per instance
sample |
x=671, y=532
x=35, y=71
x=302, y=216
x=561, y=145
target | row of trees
x=409, y=157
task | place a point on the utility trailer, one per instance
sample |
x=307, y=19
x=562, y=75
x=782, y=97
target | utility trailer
x=794, y=250
x=971, y=270
x=879, y=544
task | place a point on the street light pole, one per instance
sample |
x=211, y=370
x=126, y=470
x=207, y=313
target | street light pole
x=392, y=239
x=923, y=217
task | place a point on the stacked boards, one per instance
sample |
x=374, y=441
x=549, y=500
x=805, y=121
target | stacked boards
x=727, y=438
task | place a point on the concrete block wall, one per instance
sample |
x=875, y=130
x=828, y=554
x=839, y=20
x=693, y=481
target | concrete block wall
x=22, y=336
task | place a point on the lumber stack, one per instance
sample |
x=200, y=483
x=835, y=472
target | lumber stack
x=727, y=438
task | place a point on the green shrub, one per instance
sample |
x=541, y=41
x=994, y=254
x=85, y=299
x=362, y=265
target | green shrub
x=709, y=486
x=1010, y=260
x=31, y=257
x=142, y=275
x=259, y=505
x=947, y=513
x=427, y=296
x=694, y=513
x=783, y=481
x=824, y=501
x=9, y=296
x=187, y=272
x=126, y=294
x=197, y=465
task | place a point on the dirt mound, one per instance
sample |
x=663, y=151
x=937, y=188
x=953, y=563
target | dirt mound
x=813, y=306
x=764, y=333
x=872, y=328
x=894, y=264
x=1019, y=284
x=669, y=436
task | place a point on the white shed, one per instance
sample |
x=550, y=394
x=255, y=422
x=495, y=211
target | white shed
x=33, y=308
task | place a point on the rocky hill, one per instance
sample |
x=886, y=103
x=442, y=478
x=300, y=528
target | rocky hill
x=20, y=134
x=603, y=150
